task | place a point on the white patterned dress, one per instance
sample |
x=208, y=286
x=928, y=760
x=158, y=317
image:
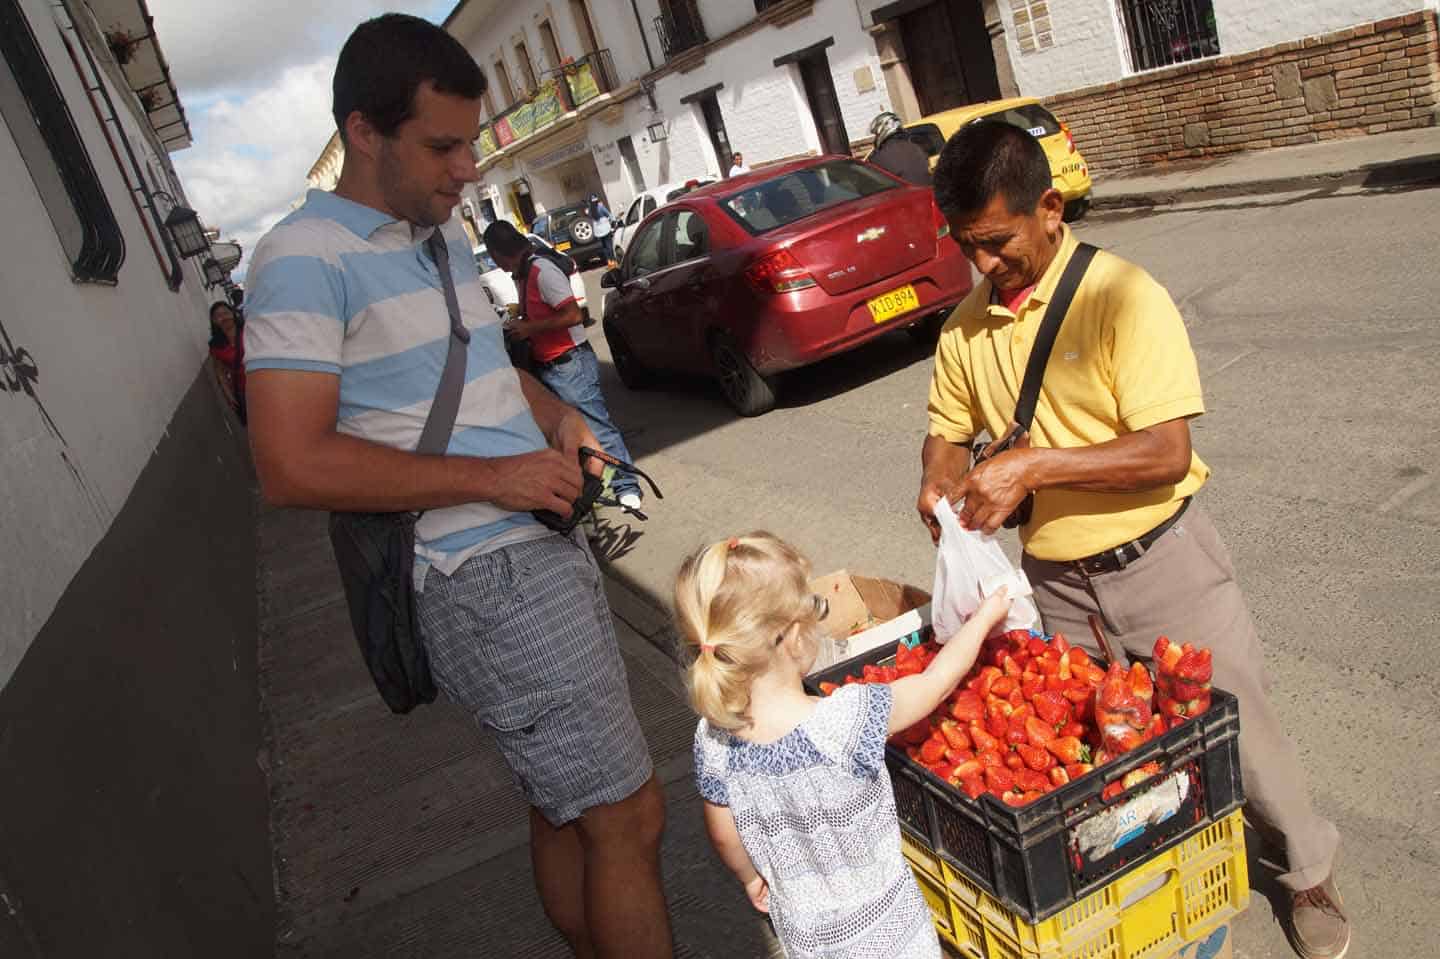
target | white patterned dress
x=816, y=814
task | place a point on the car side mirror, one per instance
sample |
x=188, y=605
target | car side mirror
x=610, y=280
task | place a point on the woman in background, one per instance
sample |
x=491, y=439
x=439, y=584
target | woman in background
x=227, y=350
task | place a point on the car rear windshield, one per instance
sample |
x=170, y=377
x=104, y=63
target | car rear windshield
x=795, y=195
x=1032, y=118
x=927, y=136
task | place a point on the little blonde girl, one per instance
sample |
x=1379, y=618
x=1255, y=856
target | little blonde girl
x=797, y=798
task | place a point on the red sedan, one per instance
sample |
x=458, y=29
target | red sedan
x=777, y=269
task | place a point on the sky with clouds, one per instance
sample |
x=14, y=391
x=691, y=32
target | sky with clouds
x=255, y=83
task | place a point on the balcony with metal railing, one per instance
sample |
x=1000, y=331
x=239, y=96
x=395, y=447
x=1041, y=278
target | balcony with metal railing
x=560, y=94
x=679, y=27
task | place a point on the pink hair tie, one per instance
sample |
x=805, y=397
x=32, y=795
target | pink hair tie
x=733, y=542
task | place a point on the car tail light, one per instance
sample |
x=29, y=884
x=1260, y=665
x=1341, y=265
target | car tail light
x=1065, y=129
x=779, y=272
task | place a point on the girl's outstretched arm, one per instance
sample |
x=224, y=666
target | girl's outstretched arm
x=915, y=697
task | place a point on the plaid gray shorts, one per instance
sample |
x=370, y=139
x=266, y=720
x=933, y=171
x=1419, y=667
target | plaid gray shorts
x=522, y=638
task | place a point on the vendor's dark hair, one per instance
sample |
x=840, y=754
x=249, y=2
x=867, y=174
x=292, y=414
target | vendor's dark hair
x=217, y=335
x=502, y=237
x=385, y=61
x=988, y=159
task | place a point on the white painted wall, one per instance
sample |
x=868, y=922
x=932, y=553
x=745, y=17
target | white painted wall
x=1089, y=48
x=114, y=361
x=1246, y=25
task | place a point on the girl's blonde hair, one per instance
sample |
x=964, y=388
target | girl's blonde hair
x=734, y=600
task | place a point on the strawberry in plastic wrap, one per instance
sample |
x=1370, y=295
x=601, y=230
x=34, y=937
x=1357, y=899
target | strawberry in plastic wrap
x=1182, y=675
x=1122, y=707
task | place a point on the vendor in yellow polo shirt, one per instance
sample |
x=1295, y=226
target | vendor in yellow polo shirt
x=1115, y=529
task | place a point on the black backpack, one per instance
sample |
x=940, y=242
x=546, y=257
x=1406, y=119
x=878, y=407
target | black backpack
x=565, y=263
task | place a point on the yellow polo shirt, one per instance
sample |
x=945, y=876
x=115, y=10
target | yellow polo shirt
x=1121, y=362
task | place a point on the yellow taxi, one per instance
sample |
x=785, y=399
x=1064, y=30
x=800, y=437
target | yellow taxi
x=1071, y=173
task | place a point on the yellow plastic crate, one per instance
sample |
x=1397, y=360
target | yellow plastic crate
x=1152, y=912
x=922, y=858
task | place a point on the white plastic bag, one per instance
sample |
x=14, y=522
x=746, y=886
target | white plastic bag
x=969, y=566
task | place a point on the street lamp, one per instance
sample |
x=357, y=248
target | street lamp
x=185, y=229
x=214, y=275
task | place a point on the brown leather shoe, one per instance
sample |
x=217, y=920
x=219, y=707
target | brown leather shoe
x=1317, y=926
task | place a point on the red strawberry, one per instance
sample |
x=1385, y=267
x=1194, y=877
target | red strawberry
x=1039, y=733
x=828, y=688
x=1069, y=749
x=1031, y=685
x=1011, y=666
x=954, y=736
x=945, y=771
x=1036, y=647
x=916, y=734
x=1074, y=728
x=958, y=756
x=1078, y=657
x=990, y=757
x=1022, y=712
x=984, y=742
x=1111, y=791
x=1013, y=762
x=1059, y=777
x=1167, y=654
x=970, y=768
x=1140, y=682
x=1035, y=757
x=999, y=779
x=1003, y=686
x=1046, y=666
x=932, y=751
x=1015, y=735
x=967, y=707
x=1059, y=643
x=1076, y=770
x=997, y=724
x=1031, y=781
x=972, y=786
x=1051, y=707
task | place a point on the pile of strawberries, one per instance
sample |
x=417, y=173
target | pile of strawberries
x=1033, y=715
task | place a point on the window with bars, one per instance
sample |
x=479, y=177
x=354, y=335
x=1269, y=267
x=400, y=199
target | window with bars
x=1159, y=33
x=1032, y=25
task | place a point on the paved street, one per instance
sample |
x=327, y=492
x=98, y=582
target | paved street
x=1315, y=321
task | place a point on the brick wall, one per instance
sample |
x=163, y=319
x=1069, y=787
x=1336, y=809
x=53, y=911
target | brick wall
x=1367, y=79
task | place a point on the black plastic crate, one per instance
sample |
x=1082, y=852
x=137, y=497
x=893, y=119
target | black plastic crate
x=1028, y=857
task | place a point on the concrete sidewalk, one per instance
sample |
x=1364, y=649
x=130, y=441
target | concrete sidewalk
x=403, y=836
x=1383, y=161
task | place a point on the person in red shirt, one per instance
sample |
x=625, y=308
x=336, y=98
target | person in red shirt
x=227, y=352
x=561, y=355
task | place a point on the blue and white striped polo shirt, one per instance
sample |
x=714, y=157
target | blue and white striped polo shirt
x=338, y=287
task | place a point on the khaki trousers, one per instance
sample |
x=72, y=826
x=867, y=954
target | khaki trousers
x=1184, y=587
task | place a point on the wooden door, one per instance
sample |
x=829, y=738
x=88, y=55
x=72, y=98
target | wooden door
x=949, y=55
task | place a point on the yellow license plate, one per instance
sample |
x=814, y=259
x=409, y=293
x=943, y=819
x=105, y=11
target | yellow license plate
x=887, y=306
x=562, y=247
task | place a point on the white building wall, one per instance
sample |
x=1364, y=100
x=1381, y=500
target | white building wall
x=1246, y=25
x=1089, y=45
x=113, y=363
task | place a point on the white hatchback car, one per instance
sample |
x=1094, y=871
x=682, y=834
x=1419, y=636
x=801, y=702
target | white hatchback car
x=499, y=286
x=647, y=203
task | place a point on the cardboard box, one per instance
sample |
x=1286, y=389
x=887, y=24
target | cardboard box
x=866, y=612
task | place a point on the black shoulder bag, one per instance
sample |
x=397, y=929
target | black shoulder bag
x=1035, y=372
x=521, y=351
x=376, y=551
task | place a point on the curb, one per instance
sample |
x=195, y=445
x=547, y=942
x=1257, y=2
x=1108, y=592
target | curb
x=1402, y=174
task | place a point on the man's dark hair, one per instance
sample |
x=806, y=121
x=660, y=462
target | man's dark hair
x=502, y=237
x=987, y=159
x=385, y=61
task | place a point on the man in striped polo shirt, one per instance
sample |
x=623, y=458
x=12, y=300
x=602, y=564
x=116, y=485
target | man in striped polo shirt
x=347, y=337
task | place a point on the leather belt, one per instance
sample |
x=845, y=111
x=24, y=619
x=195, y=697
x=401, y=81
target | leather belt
x=563, y=358
x=1112, y=560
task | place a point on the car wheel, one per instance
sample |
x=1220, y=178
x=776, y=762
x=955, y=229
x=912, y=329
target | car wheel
x=1076, y=209
x=582, y=232
x=629, y=369
x=743, y=387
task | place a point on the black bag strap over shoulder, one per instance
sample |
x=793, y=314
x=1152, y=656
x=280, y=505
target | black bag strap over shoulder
x=440, y=423
x=1049, y=330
